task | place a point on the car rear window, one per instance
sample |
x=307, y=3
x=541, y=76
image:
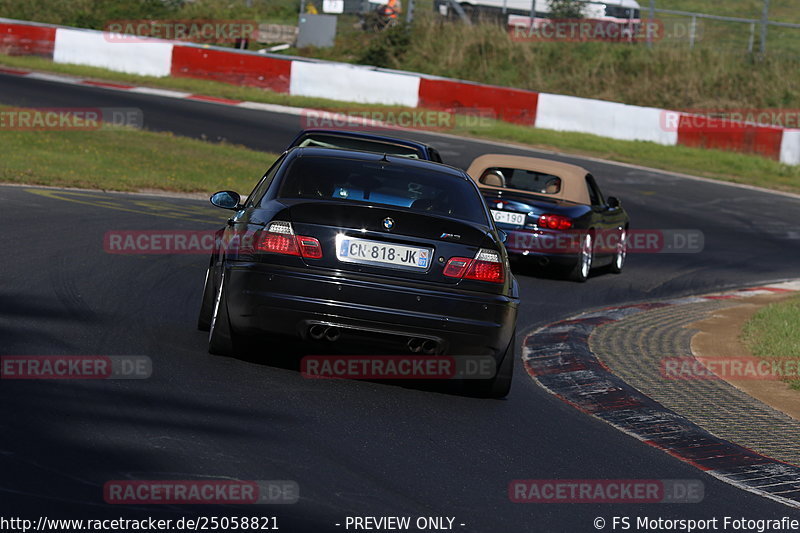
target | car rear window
x=525, y=180
x=323, y=140
x=382, y=183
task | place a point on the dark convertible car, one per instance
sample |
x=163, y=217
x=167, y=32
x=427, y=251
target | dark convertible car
x=357, y=247
x=553, y=212
x=366, y=142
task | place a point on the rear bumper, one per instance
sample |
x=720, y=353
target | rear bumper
x=564, y=260
x=275, y=300
x=551, y=247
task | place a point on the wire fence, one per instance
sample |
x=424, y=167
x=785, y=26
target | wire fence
x=760, y=36
x=725, y=33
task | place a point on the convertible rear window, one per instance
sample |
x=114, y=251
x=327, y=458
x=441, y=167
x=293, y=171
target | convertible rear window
x=382, y=183
x=324, y=140
x=525, y=180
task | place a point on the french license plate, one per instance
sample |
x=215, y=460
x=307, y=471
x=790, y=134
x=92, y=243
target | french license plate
x=516, y=219
x=391, y=255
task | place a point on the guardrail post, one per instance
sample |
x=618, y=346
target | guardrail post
x=460, y=12
x=692, y=32
x=764, y=24
x=752, y=40
x=410, y=12
x=652, y=21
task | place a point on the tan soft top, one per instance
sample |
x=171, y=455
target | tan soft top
x=573, y=177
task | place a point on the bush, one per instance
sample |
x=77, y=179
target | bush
x=387, y=48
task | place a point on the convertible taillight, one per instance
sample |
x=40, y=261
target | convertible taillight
x=554, y=222
x=485, y=266
x=279, y=238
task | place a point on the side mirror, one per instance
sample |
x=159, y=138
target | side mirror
x=226, y=200
x=503, y=235
x=613, y=202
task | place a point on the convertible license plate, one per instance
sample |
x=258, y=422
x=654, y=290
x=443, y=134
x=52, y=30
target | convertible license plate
x=391, y=255
x=516, y=219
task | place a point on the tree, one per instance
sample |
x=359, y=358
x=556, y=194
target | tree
x=566, y=9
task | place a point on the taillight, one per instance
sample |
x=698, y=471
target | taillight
x=456, y=267
x=277, y=243
x=555, y=222
x=485, y=266
x=279, y=238
x=309, y=247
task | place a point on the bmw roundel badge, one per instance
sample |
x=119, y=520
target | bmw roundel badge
x=388, y=223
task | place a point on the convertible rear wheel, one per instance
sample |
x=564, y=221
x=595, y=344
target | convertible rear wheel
x=221, y=340
x=584, y=266
x=621, y=254
x=500, y=385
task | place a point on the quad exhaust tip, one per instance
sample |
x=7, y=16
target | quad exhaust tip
x=430, y=347
x=415, y=345
x=426, y=346
x=333, y=333
x=319, y=332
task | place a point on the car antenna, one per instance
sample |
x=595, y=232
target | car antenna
x=385, y=157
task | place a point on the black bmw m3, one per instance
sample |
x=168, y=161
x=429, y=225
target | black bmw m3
x=357, y=248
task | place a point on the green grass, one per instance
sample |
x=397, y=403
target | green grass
x=124, y=159
x=728, y=166
x=780, y=10
x=774, y=333
x=96, y=13
x=671, y=77
x=717, y=74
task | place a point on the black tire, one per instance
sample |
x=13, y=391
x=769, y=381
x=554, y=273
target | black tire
x=221, y=340
x=207, y=304
x=618, y=263
x=583, y=267
x=500, y=385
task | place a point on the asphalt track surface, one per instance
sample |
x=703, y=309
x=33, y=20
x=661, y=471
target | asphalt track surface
x=354, y=448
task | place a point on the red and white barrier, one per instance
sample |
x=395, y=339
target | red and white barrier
x=353, y=83
x=253, y=70
x=512, y=105
x=790, y=147
x=26, y=39
x=151, y=57
x=606, y=119
x=369, y=85
x=705, y=132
